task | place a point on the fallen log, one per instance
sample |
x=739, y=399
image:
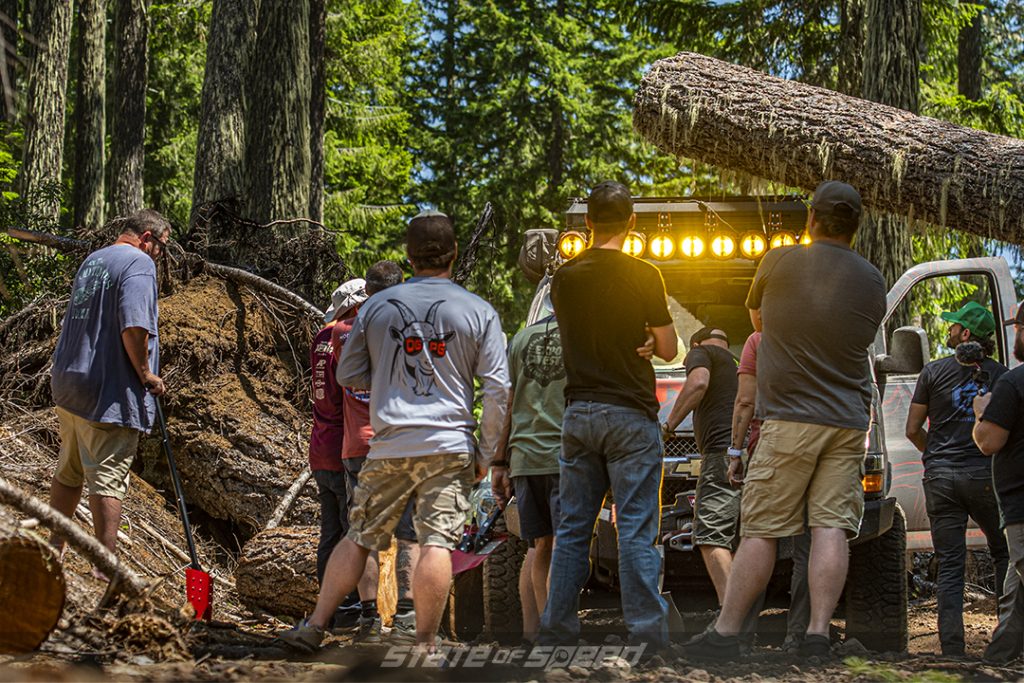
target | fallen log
x=277, y=573
x=32, y=593
x=741, y=119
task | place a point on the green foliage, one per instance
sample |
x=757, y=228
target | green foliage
x=877, y=671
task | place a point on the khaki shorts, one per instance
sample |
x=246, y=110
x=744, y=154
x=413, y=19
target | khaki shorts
x=802, y=467
x=716, y=506
x=95, y=453
x=440, y=484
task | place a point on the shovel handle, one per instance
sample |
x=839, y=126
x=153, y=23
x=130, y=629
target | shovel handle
x=176, y=480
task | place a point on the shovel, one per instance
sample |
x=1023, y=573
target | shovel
x=477, y=544
x=198, y=587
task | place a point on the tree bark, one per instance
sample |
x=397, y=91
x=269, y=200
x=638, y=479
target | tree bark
x=317, y=107
x=8, y=59
x=131, y=36
x=850, y=79
x=968, y=59
x=893, y=30
x=277, y=123
x=44, y=107
x=929, y=170
x=90, y=125
x=220, y=149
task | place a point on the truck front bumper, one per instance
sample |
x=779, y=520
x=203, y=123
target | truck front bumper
x=877, y=519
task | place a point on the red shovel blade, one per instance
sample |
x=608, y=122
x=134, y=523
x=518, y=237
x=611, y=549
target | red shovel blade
x=199, y=591
x=463, y=562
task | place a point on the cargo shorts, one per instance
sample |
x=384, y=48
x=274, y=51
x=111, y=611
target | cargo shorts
x=716, y=506
x=800, y=466
x=95, y=453
x=440, y=485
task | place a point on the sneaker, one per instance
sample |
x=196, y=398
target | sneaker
x=369, y=630
x=302, y=637
x=711, y=646
x=815, y=645
x=345, y=622
x=791, y=645
x=403, y=629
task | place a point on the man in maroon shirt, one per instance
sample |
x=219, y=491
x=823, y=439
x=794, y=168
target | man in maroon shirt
x=326, y=441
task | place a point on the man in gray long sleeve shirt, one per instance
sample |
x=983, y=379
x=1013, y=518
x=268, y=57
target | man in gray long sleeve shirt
x=419, y=346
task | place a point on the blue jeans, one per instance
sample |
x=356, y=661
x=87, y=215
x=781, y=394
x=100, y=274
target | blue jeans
x=951, y=495
x=606, y=445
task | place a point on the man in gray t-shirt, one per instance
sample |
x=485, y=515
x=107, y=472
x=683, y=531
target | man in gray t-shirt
x=820, y=307
x=106, y=358
x=420, y=345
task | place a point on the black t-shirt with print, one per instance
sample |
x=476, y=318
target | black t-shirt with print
x=604, y=299
x=712, y=419
x=1006, y=409
x=948, y=389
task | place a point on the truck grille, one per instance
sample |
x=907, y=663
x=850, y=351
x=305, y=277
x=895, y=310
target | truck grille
x=681, y=445
x=671, y=487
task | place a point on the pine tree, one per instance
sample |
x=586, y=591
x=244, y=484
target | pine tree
x=128, y=130
x=90, y=116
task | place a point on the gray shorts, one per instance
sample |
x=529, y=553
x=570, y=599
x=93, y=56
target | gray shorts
x=716, y=508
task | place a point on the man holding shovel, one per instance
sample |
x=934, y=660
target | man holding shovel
x=106, y=357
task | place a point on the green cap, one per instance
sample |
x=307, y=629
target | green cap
x=974, y=317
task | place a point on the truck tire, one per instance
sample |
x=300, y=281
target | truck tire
x=876, y=590
x=503, y=613
x=463, y=617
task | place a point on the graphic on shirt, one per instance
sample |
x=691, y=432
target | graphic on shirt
x=420, y=342
x=963, y=400
x=542, y=359
x=92, y=278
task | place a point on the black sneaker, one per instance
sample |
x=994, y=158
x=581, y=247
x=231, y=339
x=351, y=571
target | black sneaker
x=711, y=646
x=815, y=645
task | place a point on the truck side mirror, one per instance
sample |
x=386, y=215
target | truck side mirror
x=537, y=253
x=908, y=352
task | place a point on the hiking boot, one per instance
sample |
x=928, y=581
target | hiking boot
x=815, y=645
x=711, y=646
x=403, y=629
x=369, y=630
x=791, y=645
x=345, y=622
x=302, y=637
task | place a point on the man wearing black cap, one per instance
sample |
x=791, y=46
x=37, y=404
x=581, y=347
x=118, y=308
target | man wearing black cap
x=420, y=345
x=999, y=432
x=821, y=306
x=606, y=302
x=709, y=393
x=957, y=477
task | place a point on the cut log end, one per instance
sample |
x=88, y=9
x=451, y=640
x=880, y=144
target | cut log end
x=32, y=592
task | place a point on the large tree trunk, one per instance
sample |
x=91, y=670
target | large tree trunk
x=8, y=54
x=220, y=149
x=50, y=25
x=131, y=63
x=890, y=77
x=968, y=59
x=317, y=40
x=277, y=124
x=695, y=106
x=850, y=63
x=89, y=113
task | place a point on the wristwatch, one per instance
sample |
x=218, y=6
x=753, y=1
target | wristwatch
x=734, y=452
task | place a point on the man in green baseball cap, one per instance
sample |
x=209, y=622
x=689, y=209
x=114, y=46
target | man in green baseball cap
x=972, y=322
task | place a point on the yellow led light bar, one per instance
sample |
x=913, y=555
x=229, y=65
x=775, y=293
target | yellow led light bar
x=723, y=246
x=805, y=238
x=691, y=246
x=571, y=244
x=634, y=244
x=782, y=239
x=753, y=245
x=661, y=247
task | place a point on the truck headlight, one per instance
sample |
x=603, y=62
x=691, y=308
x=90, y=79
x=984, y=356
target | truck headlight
x=571, y=244
x=753, y=244
x=662, y=247
x=723, y=246
x=634, y=244
x=782, y=239
x=691, y=246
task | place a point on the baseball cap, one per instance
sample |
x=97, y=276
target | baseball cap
x=705, y=333
x=1017, y=319
x=348, y=294
x=974, y=317
x=834, y=198
x=609, y=202
x=430, y=234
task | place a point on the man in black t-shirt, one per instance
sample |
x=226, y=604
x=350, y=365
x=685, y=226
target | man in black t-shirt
x=710, y=392
x=957, y=477
x=999, y=432
x=607, y=304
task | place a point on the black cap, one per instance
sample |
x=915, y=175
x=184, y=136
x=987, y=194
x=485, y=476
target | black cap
x=430, y=234
x=609, y=202
x=705, y=333
x=834, y=198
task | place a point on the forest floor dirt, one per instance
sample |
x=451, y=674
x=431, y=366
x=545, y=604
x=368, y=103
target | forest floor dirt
x=247, y=651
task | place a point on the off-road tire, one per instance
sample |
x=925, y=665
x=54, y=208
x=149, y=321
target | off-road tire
x=463, y=617
x=876, y=590
x=503, y=613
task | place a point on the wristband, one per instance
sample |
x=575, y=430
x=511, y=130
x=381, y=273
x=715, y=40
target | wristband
x=734, y=452
x=500, y=463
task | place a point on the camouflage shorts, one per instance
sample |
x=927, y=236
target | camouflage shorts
x=440, y=485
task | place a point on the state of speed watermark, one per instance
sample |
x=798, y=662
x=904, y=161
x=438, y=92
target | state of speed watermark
x=539, y=657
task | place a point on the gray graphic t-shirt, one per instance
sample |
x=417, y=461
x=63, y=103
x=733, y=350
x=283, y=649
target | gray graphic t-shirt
x=418, y=346
x=92, y=376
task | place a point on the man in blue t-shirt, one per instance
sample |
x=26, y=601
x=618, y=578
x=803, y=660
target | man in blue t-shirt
x=957, y=477
x=106, y=358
